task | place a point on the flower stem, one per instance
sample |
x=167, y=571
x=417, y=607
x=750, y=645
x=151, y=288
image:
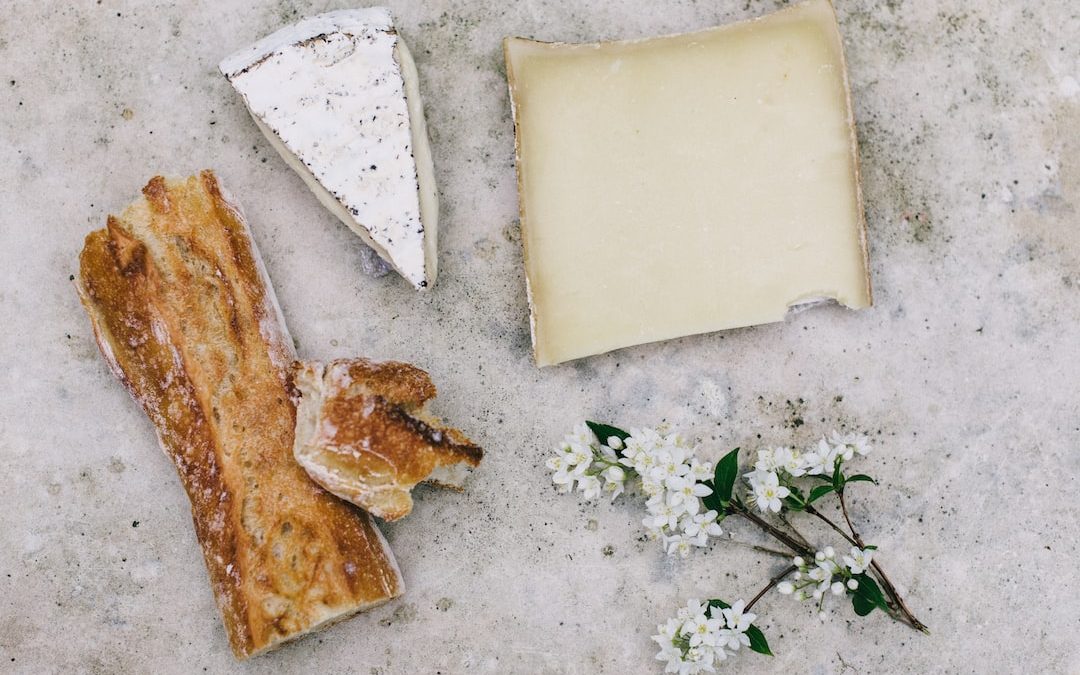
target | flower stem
x=772, y=584
x=770, y=529
x=886, y=583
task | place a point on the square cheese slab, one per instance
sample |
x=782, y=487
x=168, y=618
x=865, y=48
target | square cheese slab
x=686, y=184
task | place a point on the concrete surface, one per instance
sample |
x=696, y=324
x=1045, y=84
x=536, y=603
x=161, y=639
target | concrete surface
x=965, y=370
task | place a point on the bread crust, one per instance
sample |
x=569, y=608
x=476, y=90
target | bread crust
x=363, y=433
x=187, y=320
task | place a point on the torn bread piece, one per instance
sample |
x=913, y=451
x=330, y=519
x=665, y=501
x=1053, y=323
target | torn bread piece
x=362, y=432
x=686, y=184
x=186, y=319
x=337, y=95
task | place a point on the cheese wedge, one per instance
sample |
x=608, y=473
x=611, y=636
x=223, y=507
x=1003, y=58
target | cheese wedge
x=337, y=96
x=686, y=184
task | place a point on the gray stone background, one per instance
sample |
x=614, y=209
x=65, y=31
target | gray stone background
x=965, y=370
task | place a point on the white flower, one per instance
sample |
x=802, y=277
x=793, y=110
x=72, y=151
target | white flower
x=698, y=660
x=785, y=588
x=701, y=470
x=686, y=493
x=789, y=460
x=768, y=492
x=615, y=474
x=703, y=523
x=590, y=486
x=678, y=545
x=766, y=461
x=564, y=480
x=556, y=463
x=755, y=477
x=856, y=442
x=820, y=460
x=820, y=573
x=737, y=622
x=701, y=630
x=614, y=489
x=669, y=651
x=580, y=458
x=859, y=560
x=736, y=618
x=661, y=515
x=693, y=608
x=614, y=480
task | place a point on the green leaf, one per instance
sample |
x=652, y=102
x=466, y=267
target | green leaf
x=838, y=478
x=861, y=604
x=867, y=596
x=606, y=431
x=727, y=470
x=794, y=504
x=758, y=643
x=718, y=603
x=860, y=477
x=820, y=491
x=712, y=502
x=796, y=501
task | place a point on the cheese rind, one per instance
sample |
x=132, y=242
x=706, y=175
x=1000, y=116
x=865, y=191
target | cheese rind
x=338, y=98
x=685, y=184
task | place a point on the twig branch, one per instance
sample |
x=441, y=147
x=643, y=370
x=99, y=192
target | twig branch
x=772, y=584
x=773, y=531
x=821, y=516
x=886, y=583
x=795, y=531
x=761, y=549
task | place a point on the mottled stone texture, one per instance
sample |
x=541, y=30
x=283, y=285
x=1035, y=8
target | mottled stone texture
x=965, y=370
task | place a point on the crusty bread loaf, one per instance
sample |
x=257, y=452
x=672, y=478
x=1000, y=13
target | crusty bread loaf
x=186, y=318
x=362, y=433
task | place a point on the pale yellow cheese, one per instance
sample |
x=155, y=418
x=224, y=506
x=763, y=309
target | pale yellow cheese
x=686, y=184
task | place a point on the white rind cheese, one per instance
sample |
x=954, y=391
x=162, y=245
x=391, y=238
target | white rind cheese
x=337, y=96
x=686, y=184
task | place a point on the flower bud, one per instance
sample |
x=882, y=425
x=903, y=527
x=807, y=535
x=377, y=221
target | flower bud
x=819, y=556
x=837, y=588
x=830, y=552
x=853, y=584
x=798, y=561
x=614, y=443
x=785, y=588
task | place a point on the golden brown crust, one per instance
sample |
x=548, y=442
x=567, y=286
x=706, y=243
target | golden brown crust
x=186, y=319
x=362, y=433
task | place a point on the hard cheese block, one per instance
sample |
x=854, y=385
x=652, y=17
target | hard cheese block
x=686, y=184
x=337, y=96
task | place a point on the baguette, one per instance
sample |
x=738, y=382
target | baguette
x=362, y=432
x=186, y=318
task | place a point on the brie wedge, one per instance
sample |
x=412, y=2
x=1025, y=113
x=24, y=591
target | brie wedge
x=337, y=96
x=685, y=184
